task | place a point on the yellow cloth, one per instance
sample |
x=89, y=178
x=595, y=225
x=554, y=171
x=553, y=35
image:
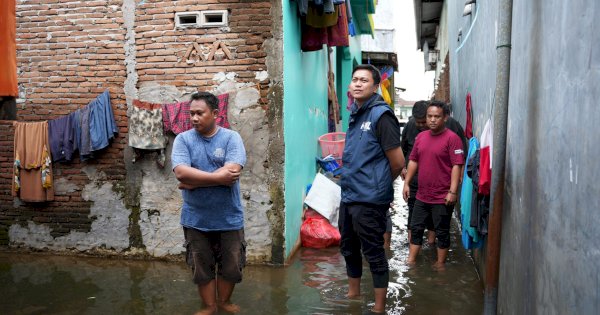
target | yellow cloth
x=385, y=93
x=314, y=19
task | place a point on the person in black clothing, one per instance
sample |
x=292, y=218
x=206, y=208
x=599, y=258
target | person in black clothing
x=455, y=126
x=372, y=160
x=415, y=125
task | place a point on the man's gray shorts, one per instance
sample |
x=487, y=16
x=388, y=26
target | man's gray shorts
x=217, y=253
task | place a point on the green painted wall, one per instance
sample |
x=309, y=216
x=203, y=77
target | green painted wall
x=304, y=118
x=348, y=58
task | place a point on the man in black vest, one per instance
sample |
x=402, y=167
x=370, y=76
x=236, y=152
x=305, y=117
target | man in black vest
x=372, y=160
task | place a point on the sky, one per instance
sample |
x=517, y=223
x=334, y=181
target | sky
x=411, y=74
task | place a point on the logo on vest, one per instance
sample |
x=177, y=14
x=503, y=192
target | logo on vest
x=219, y=152
x=366, y=126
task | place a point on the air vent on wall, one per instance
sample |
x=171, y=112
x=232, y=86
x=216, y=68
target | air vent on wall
x=201, y=19
x=215, y=18
x=187, y=19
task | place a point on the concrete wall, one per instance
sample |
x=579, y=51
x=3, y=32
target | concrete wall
x=69, y=52
x=304, y=118
x=551, y=216
x=548, y=255
x=472, y=60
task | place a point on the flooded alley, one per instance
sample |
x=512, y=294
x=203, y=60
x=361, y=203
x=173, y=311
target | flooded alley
x=313, y=283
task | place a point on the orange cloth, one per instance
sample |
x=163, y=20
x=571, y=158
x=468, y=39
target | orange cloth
x=8, y=49
x=32, y=178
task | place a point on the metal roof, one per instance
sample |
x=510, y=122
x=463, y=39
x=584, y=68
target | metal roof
x=427, y=19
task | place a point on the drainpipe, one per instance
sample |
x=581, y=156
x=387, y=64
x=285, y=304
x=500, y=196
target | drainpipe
x=500, y=114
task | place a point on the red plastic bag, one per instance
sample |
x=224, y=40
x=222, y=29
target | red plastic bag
x=317, y=232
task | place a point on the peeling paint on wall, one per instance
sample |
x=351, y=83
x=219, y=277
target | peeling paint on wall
x=108, y=230
x=248, y=118
x=160, y=200
x=160, y=205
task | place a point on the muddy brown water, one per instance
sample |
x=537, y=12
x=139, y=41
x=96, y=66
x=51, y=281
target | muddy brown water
x=313, y=283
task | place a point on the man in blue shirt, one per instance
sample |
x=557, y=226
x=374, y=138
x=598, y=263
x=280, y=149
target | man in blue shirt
x=372, y=160
x=207, y=160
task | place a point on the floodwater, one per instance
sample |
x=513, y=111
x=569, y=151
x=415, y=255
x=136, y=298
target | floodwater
x=313, y=283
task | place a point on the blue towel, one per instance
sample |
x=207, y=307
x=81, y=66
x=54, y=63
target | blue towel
x=62, y=139
x=102, y=122
x=470, y=236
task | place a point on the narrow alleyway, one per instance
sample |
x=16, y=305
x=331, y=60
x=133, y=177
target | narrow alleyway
x=314, y=283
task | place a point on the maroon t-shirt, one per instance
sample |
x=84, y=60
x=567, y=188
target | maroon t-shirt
x=435, y=155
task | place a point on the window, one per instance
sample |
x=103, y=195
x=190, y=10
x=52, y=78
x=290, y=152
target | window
x=201, y=19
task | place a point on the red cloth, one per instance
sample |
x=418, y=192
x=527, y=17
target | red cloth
x=485, y=159
x=223, y=104
x=485, y=172
x=313, y=39
x=469, y=124
x=146, y=105
x=436, y=155
x=8, y=49
x=176, y=116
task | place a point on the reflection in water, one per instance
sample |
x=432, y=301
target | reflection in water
x=314, y=283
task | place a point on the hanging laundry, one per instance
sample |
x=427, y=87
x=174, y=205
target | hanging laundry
x=351, y=28
x=302, y=7
x=62, y=139
x=146, y=126
x=385, y=93
x=318, y=19
x=85, y=145
x=223, y=107
x=176, y=117
x=32, y=167
x=102, y=122
x=470, y=237
x=480, y=204
x=313, y=39
x=8, y=49
x=324, y=5
x=469, y=124
x=76, y=127
x=485, y=166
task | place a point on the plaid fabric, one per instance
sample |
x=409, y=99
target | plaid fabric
x=176, y=117
x=223, y=104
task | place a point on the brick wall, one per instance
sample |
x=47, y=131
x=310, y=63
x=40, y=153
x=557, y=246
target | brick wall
x=68, y=52
x=442, y=93
x=161, y=49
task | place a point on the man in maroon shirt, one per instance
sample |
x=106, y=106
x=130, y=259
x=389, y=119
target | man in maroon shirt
x=438, y=156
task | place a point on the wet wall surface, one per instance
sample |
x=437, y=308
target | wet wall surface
x=313, y=283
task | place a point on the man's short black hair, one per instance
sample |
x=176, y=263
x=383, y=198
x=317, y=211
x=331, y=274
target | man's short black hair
x=446, y=107
x=419, y=110
x=210, y=99
x=441, y=105
x=374, y=71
